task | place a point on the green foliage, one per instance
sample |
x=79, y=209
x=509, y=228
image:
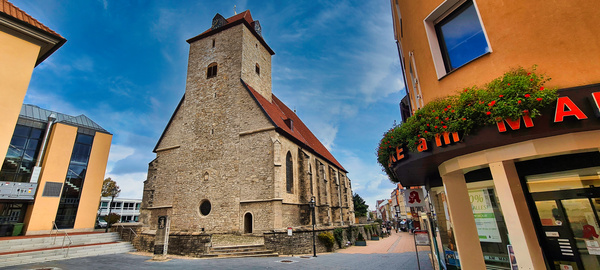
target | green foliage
x=360, y=237
x=517, y=93
x=338, y=234
x=110, y=188
x=360, y=207
x=327, y=239
x=112, y=218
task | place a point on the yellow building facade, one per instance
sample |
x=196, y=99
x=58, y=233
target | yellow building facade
x=525, y=197
x=54, y=164
x=53, y=172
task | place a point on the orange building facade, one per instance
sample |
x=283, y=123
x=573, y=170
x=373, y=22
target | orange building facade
x=54, y=164
x=526, y=196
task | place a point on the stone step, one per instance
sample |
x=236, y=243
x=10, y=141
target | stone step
x=8, y=244
x=272, y=254
x=64, y=253
x=245, y=254
x=238, y=248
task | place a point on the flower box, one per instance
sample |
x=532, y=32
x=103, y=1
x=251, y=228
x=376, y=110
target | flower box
x=375, y=238
x=360, y=243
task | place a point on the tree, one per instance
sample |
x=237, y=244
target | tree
x=360, y=208
x=112, y=218
x=110, y=188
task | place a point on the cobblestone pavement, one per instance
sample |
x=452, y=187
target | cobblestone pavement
x=394, y=252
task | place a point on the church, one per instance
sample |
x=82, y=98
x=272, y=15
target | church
x=234, y=158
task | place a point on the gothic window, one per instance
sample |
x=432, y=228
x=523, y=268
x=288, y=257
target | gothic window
x=211, y=70
x=257, y=69
x=289, y=173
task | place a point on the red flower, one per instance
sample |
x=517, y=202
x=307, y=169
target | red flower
x=449, y=106
x=539, y=99
x=445, y=109
x=425, y=131
x=528, y=73
x=531, y=79
x=508, y=84
x=452, y=110
x=427, y=124
x=447, y=118
x=501, y=96
x=525, y=111
x=418, y=135
x=466, y=90
x=435, y=127
x=442, y=122
x=542, y=88
x=437, y=117
x=488, y=113
x=464, y=119
x=519, y=102
x=480, y=102
x=433, y=111
x=445, y=127
x=527, y=95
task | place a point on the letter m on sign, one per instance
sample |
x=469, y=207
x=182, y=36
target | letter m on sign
x=514, y=124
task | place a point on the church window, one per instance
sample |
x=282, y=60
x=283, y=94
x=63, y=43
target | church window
x=213, y=41
x=289, y=173
x=205, y=208
x=211, y=71
x=257, y=69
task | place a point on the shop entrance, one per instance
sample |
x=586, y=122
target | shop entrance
x=570, y=225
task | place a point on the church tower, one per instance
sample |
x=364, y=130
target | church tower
x=233, y=157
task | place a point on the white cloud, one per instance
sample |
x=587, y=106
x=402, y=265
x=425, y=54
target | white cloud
x=119, y=152
x=326, y=133
x=132, y=184
x=367, y=178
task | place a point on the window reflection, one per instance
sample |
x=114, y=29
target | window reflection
x=461, y=37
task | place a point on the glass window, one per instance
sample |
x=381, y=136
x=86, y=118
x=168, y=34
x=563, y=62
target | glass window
x=461, y=37
x=205, y=208
x=491, y=228
x=21, y=155
x=211, y=70
x=289, y=173
x=69, y=201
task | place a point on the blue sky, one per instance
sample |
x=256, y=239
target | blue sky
x=124, y=65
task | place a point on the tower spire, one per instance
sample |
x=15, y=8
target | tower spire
x=234, y=12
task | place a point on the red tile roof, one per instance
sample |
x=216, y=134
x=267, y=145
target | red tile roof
x=278, y=112
x=13, y=11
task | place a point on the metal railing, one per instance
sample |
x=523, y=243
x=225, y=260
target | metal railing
x=131, y=231
x=65, y=237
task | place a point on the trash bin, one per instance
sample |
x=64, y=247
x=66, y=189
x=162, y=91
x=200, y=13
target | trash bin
x=5, y=229
x=17, y=229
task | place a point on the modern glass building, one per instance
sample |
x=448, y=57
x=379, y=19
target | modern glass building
x=52, y=173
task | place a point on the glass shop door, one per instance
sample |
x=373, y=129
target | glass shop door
x=570, y=223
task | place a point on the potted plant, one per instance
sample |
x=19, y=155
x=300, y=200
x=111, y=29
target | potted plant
x=360, y=240
x=374, y=236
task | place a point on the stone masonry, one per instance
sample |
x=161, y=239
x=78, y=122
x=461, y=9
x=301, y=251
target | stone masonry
x=222, y=149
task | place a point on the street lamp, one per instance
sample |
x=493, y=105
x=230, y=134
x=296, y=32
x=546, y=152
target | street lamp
x=312, y=205
x=113, y=192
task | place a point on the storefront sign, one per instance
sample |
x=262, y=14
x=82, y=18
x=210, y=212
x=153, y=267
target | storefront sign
x=565, y=108
x=421, y=238
x=593, y=247
x=414, y=197
x=452, y=258
x=485, y=219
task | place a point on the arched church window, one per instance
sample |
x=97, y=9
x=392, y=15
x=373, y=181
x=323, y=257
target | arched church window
x=257, y=69
x=211, y=70
x=289, y=173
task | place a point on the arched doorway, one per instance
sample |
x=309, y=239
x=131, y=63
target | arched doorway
x=248, y=223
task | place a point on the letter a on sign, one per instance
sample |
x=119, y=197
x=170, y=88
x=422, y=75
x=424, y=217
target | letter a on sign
x=414, y=197
x=573, y=110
